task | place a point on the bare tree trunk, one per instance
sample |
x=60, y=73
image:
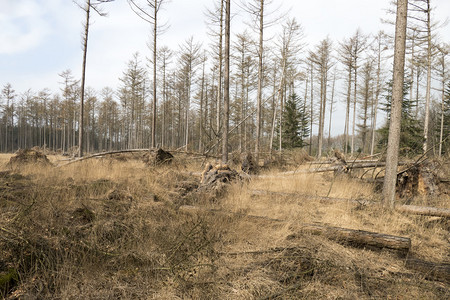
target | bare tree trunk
x=260, y=81
x=331, y=108
x=428, y=89
x=202, y=88
x=226, y=98
x=444, y=73
x=281, y=93
x=311, y=116
x=155, y=28
x=83, y=80
x=219, y=82
x=347, y=112
x=377, y=95
x=390, y=178
x=352, y=149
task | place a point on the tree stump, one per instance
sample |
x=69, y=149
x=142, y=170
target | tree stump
x=249, y=165
x=215, y=178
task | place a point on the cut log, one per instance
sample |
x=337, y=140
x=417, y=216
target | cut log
x=424, y=211
x=430, y=270
x=359, y=238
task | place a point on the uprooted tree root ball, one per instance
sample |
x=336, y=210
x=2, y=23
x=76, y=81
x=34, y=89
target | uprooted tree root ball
x=29, y=156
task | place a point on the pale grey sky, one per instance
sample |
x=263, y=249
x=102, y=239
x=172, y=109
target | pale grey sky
x=41, y=38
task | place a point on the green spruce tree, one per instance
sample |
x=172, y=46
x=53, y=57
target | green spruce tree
x=411, y=138
x=295, y=125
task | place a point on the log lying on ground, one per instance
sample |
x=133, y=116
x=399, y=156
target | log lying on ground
x=424, y=210
x=313, y=197
x=359, y=238
x=407, y=209
x=429, y=270
x=351, y=236
x=328, y=169
x=101, y=154
x=330, y=162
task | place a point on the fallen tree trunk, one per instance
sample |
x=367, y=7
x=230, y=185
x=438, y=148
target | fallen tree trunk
x=105, y=153
x=329, y=162
x=429, y=270
x=328, y=169
x=359, y=238
x=351, y=236
x=424, y=210
x=312, y=197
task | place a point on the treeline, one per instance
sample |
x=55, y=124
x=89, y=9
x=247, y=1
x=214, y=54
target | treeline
x=299, y=88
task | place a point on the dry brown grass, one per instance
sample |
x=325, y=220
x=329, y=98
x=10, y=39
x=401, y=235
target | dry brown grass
x=109, y=229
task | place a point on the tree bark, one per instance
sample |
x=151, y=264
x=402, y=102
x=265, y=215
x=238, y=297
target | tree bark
x=226, y=83
x=155, y=29
x=390, y=178
x=359, y=237
x=83, y=80
x=260, y=81
x=219, y=81
x=424, y=211
x=428, y=89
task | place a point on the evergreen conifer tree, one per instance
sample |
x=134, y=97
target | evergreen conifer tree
x=411, y=137
x=295, y=127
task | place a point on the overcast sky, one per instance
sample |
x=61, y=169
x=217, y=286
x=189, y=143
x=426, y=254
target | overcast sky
x=41, y=38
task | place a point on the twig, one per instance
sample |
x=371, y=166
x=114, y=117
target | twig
x=14, y=234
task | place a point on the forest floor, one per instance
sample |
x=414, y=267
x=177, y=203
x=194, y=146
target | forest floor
x=117, y=228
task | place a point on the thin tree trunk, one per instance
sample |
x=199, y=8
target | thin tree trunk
x=155, y=28
x=441, y=133
x=260, y=81
x=311, y=116
x=83, y=80
x=202, y=87
x=352, y=149
x=331, y=109
x=377, y=95
x=219, y=82
x=428, y=89
x=347, y=112
x=390, y=177
x=226, y=98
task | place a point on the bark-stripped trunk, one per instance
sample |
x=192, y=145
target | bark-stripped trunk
x=83, y=80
